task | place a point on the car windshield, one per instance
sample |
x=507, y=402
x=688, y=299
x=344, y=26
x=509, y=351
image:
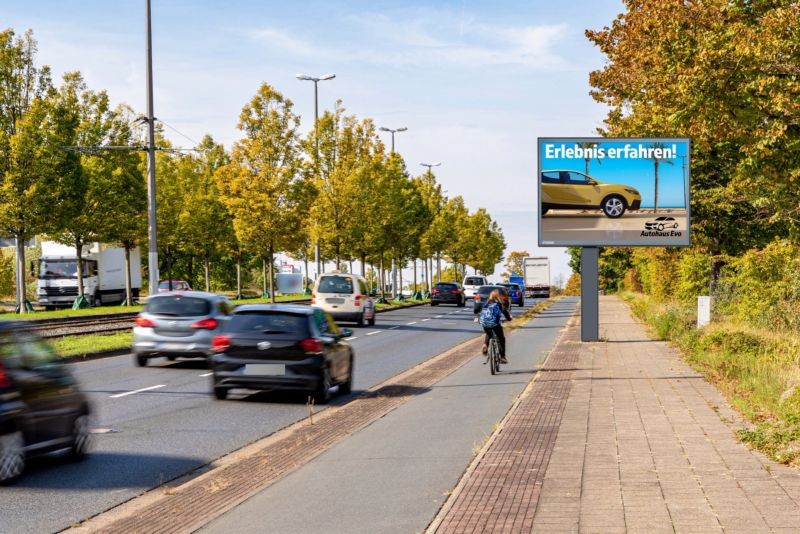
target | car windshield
x=62, y=268
x=178, y=306
x=268, y=322
x=475, y=281
x=336, y=284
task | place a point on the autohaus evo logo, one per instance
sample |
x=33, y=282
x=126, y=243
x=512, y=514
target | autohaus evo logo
x=661, y=227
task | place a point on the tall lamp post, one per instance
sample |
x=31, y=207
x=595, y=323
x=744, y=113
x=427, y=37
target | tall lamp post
x=403, y=129
x=152, y=253
x=316, y=81
x=438, y=254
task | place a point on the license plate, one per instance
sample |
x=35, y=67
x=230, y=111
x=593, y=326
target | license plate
x=175, y=346
x=264, y=369
x=334, y=301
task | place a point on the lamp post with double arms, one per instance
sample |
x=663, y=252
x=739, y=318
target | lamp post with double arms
x=438, y=254
x=316, y=81
x=393, y=131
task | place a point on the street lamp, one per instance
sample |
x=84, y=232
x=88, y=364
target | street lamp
x=152, y=249
x=383, y=129
x=438, y=255
x=316, y=80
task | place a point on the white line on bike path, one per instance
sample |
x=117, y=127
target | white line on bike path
x=118, y=395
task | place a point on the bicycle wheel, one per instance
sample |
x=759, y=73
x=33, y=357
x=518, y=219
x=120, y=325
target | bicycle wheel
x=494, y=356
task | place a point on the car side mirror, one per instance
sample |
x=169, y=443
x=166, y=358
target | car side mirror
x=346, y=332
x=592, y=181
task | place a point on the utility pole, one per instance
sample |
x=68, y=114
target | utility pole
x=152, y=255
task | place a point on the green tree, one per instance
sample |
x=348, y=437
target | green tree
x=514, y=262
x=261, y=187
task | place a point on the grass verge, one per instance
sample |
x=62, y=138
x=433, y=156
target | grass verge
x=758, y=370
x=83, y=346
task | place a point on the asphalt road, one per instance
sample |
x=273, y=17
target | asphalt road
x=161, y=421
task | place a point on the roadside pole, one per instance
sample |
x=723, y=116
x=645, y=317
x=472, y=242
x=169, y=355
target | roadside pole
x=590, y=314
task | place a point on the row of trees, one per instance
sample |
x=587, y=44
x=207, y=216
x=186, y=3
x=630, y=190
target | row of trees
x=274, y=191
x=725, y=73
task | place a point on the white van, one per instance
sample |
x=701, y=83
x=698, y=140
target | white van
x=345, y=296
x=472, y=283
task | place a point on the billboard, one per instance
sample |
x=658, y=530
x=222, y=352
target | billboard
x=602, y=191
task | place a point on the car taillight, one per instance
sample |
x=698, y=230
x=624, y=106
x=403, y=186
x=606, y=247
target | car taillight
x=435, y=290
x=456, y=292
x=4, y=380
x=477, y=297
x=220, y=343
x=144, y=322
x=358, y=300
x=313, y=298
x=205, y=324
x=311, y=345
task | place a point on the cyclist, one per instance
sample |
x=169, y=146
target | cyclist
x=490, y=319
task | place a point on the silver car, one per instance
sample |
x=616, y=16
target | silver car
x=178, y=324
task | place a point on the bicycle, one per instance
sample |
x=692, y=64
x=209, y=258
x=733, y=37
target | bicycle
x=493, y=354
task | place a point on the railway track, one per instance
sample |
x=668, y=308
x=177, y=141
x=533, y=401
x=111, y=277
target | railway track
x=92, y=324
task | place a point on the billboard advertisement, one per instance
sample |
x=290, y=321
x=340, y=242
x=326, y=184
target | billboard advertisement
x=601, y=191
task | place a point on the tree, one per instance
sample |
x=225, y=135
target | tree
x=261, y=187
x=587, y=160
x=24, y=169
x=514, y=262
x=656, y=161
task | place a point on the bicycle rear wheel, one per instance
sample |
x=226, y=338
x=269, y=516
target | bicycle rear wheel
x=494, y=356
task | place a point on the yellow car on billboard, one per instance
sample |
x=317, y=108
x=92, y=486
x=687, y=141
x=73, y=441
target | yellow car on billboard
x=576, y=190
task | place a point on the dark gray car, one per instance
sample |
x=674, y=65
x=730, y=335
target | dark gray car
x=178, y=324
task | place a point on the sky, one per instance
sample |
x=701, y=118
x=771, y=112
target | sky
x=628, y=168
x=475, y=83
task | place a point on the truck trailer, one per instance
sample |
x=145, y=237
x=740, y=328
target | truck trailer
x=103, y=274
x=536, y=271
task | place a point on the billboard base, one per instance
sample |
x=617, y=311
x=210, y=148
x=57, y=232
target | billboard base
x=590, y=316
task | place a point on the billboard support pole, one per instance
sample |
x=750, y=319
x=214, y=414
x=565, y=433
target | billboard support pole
x=590, y=316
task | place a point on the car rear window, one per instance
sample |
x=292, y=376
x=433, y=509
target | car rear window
x=336, y=284
x=474, y=281
x=446, y=287
x=486, y=290
x=268, y=322
x=178, y=306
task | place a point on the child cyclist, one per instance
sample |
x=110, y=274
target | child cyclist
x=490, y=316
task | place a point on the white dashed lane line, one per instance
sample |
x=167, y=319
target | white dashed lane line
x=425, y=320
x=438, y=316
x=395, y=327
x=352, y=338
x=412, y=322
x=118, y=395
x=206, y=374
x=373, y=333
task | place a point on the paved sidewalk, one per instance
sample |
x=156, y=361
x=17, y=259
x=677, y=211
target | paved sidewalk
x=643, y=444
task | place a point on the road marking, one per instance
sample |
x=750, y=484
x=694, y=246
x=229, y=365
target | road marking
x=118, y=395
x=206, y=374
x=352, y=338
x=425, y=320
x=395, y=327
x=373, y=333
x=438, y=316
x=412, y=322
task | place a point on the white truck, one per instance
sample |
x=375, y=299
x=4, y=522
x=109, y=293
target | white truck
x=536, y=271
x=103, y=274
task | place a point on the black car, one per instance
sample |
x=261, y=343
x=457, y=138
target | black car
x=289, y=347
x=448, y=293
x=515, y=293
x=482, y=295
x=41, y=409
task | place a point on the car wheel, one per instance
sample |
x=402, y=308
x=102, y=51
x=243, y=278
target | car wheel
x=81, y=438
x=434, y=303
x=660, y=227
x=613, y=206
x=140, y=359
x=322, y=394
x=521, y=303
x=360, y=321
x=12, y=456
x=346, y=387
x=171, y=357
x=220, y=393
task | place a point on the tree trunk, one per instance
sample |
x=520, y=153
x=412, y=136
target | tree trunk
x=238, y=276
x=383, y=284
x=205, y=269
x=351, y=265
x=308, y=279
x=363, y=261
x=79, y=253
x=717, y=263
x=21, y=293
x=191, y=269
x=415, y=277
x=128, y=289
x=438, y=267
x=400, y=274
x=263, y=276
x=271, y=271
